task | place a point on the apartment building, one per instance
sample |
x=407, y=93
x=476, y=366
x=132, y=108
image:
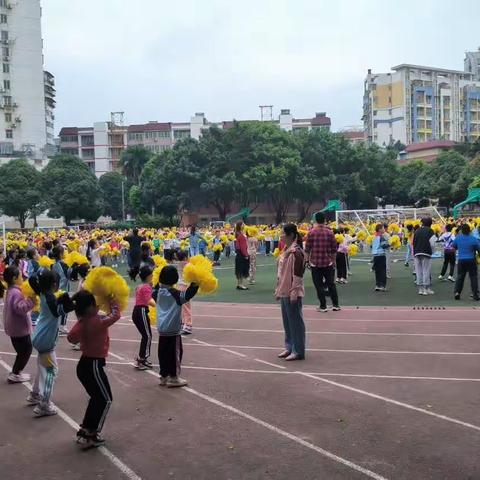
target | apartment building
x=100, y=146
x=472, y=64
x=27, y=92
x=415, y=103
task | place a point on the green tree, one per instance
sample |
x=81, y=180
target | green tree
x=111, y=185
x=437, y=181
x=132, y=161
x=471, y=170
x=72, y=190
x=475, y=183
x=20, y=192
x=404, y=180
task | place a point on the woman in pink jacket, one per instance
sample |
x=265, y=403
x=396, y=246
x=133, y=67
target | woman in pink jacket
x=18, y=326
x=290, y=291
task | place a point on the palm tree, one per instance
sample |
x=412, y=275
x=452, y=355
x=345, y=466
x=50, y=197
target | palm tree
x=132, y=161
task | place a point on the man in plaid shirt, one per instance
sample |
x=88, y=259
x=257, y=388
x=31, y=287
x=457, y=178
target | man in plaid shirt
x=321, y=249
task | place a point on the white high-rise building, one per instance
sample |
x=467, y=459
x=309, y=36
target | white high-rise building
x=27, y=93
x=472, y=63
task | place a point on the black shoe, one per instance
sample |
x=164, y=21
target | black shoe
x=457, y=296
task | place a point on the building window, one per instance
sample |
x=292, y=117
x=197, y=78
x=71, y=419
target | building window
x=6, y=68
x=137, y=136
x=87, y=140
x=7, y=101
x=429, y=112
x=181, y=134
x=5, y=51
x=69, y=138
x=3, y=18
x=4, y=36
x=8, y=133
x=8, y=117
x=6, y=84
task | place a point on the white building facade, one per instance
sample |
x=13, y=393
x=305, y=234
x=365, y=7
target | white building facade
x=415, y=103
x=27, y=93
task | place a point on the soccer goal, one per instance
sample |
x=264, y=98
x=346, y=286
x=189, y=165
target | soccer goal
x=397, y=215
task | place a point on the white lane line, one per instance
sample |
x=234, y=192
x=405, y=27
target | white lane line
x=271, y=364
x=392, y=401
x=125, y=469
x=199, y=343
x=118, y=357
x=290, y=436
x=335, y=319
x=238, y=354
x=281, y=432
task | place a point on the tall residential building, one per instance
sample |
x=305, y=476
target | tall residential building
x=27, y=93
x=100, y=146
x=415, y=103
x=472, y=63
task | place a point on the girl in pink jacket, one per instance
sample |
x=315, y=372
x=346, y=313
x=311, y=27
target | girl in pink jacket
x=290, y=291
x=18, y=326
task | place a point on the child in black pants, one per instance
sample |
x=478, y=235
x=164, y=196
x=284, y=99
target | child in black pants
x=169, y=302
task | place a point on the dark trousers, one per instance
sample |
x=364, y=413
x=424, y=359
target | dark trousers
x=380, y=269
x=170, y=353
x=341, y=265
x=142, y=322
x=267, y=247
x=216, y=256
x=464, y=267
x=327, y=275
x=448, y=259
x=228, y=251
x=91, y=373
x=23, y=347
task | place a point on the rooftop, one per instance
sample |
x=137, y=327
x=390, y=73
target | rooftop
x=417, y=147
x=403, y=66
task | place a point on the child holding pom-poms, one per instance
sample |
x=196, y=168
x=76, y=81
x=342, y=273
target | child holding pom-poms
x=169, y=302
x=91, y=330
x=61, y=269
x=17, y=322
x=187, y=323
x=143, y=299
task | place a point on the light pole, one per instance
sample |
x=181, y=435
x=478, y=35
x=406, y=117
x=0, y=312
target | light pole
x=123, y=200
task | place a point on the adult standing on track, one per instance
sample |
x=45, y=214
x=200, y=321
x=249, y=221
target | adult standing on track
x=290, y=291
x=242, y=261
x=424, y=240
x=467, y=246
x=135, y=252
x=321, y=249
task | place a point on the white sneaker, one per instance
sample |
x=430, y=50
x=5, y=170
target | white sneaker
x=44, y=410
x=18, y=378
x=336, y=309
x=421, y=291
x=174, y=382
x=323, y=310
x=63, y=330
x=76, y=347
x=440, y=277
x=163, y=381
x=33, y=399
x=451, y=279
x=429, y=291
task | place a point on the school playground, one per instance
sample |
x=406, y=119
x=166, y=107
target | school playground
x=384, y=393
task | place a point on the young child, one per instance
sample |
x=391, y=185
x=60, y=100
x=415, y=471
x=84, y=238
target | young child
x=91, y=330
x=169, y=302
x=379, y=247
x=449, y=254
x=61, y=269
x=45, y=338
x=143, y=299
x=341, y=259
x=187, y=324
x=79, y=274
x=252, y=248
x=17, y=322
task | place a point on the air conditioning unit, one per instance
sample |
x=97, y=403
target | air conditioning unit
x=18, y=120
x=13, y=125
x=6, y=58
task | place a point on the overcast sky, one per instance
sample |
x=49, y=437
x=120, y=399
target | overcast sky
x=164, y=60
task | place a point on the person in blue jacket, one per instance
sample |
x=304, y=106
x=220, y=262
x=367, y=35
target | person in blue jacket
x=467, y=247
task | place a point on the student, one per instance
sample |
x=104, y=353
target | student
x=32, y=268
x=91, y=330
x=93, y=253
x=169, y=303
x=409, y=240
x=467, y=246
x=449, y=257
x=187, y=322
x=252, y=248
x=242, y=260
x=45, y=284
x=290, y=291
x=16, y=319
x=341, y=259
x=143, y=299
x=61, y=269
x=379, y=247
x=424, y=240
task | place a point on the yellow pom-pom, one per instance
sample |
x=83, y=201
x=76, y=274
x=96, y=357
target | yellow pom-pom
x=361, y=235
x=108, y=287
x=74, y=257
x=395, y=242
x=152, y=315
x=352, y=250
x=159, y=261
x=218, y=247
x=156, y=273
x=276, y=253
x=28, y=292
x=45, y=262
x=339, y=238
x=199, y=270
x=370, y=239
x=393, y=228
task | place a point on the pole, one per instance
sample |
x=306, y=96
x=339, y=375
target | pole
x=123, y=200
x=4, y=240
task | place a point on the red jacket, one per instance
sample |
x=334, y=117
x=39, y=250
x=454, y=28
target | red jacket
x=92, y=333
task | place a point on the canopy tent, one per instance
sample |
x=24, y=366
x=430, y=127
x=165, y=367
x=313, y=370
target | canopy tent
x=473, y=197
x=332, y=206
x=241, y=215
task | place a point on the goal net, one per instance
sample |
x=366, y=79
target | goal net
x=362, y=218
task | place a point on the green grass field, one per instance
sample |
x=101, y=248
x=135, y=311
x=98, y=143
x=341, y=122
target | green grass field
x=358, y=292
